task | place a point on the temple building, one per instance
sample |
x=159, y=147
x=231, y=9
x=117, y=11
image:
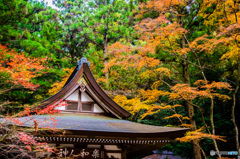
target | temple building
x=94, y=125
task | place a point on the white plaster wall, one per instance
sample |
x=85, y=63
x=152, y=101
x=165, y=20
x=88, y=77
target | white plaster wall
x=93, y=146
x=115, y=155
x=73, y=96
x=97, y=109
x=85, y=97
x=52, y=145
x=67, y=145
x=111, y=147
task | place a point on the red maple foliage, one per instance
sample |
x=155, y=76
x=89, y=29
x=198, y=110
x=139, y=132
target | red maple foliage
x=15, y=140
x=20, y=67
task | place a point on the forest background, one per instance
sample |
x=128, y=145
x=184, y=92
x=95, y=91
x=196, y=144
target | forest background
x=168, y=62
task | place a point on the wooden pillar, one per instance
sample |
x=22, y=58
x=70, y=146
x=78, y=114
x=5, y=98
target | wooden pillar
x=124, y=151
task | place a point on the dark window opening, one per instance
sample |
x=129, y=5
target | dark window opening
x=72, y=106
x=87, y=107
x=76, y=106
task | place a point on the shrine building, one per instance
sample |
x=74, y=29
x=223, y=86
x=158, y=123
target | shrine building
x=94, y=125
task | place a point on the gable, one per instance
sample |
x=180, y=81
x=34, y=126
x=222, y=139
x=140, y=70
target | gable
x=83, y=91
x=80, y=102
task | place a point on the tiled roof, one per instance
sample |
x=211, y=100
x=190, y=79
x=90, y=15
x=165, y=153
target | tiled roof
x=89, y=122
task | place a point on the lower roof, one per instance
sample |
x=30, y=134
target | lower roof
x=98, y=124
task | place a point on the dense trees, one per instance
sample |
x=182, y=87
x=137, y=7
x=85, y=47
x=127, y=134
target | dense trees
x=181, y=38
x=167, y=62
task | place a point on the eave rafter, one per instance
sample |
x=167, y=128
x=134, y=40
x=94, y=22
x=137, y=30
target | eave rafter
x=102, y=140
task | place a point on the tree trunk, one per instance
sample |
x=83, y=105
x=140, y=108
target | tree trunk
x=105, y=43
x=212, y=99
x=213, y=127
x=233, y=109
x=196, y=150
x=105, y=57
x=186, y=79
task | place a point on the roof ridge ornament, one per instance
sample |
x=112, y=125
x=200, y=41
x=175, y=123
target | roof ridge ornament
x=81, y=61
x=82, y=82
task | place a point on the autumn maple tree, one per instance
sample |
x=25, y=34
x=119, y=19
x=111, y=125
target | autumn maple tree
x=20, y=68
x=225, y=16
x=171, y=49
x=16, y=71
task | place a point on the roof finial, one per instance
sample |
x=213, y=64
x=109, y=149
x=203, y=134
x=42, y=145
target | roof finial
x=81, y=61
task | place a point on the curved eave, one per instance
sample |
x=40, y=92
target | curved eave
x=167, y=134
x=72, y=83
x=139, y=135
x=105, y=98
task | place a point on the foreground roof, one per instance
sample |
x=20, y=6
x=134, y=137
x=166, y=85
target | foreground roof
x=102, y=125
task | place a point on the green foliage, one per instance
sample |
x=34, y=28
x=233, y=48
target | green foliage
x=11, y=14
x=90, y=24
x=32, y=27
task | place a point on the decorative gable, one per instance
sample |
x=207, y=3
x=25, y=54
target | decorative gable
x=79, y=101
x=84, y=95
